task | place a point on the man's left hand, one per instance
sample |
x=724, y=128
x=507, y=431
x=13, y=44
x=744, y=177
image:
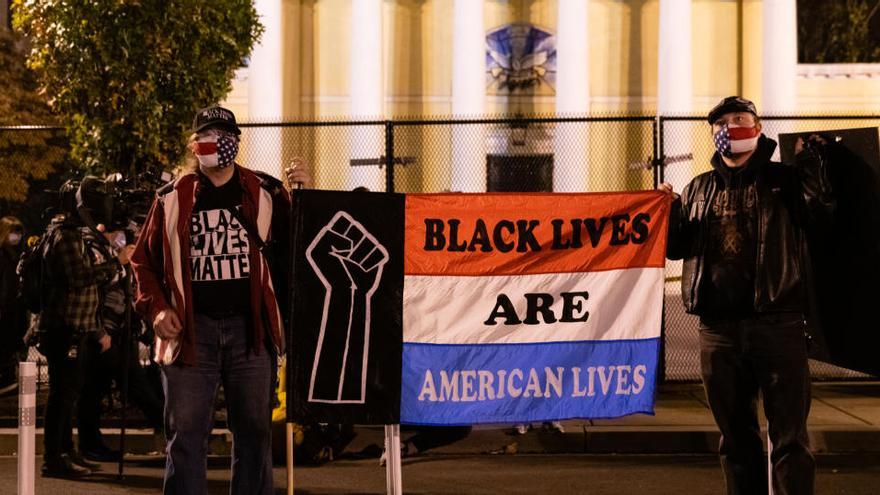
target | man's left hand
x=814, y=139
x=296, y=174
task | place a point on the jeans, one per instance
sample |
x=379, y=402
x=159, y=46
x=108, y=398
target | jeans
x=190, y=393
x=739, y=358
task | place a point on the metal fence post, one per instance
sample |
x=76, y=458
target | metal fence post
x=661, y=157
x=659, y=176
x=656, y=161
x=389, y=156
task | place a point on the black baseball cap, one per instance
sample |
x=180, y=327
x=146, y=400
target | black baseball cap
x=217, y=118
x=732, y=104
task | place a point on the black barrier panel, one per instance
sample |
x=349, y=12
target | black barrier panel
x=346, y=298
x=845, y=249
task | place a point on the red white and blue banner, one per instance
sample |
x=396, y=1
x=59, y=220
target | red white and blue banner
x=531, y=307
x=509, y=307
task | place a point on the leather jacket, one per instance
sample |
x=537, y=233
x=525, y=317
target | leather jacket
x=789, y=198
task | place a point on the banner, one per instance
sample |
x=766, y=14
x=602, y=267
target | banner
x=454, y=309
x=531, y=307
x=345, y=340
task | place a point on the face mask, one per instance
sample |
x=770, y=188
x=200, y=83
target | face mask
x=730, y=141
x=14, y=239
x=119, y=240
x=216, y=151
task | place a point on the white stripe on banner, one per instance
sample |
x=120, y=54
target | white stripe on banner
x=565, y=307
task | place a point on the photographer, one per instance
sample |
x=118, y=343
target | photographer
x=69, y=321
x=102, y=366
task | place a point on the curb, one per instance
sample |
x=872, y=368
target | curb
x=486, y=441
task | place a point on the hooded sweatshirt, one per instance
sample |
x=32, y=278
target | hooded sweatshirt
x=731, y=250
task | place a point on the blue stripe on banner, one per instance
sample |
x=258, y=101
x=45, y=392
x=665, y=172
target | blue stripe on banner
x=520, y=383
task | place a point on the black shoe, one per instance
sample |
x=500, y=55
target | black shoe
x=63, y=467
x=101, y=454
x=78, y=459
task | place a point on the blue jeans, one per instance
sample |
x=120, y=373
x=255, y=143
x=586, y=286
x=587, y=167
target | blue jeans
x=190, y=392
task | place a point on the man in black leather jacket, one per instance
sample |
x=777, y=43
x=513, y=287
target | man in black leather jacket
x=740, y=230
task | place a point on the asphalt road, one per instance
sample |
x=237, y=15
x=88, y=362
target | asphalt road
x=483, y=474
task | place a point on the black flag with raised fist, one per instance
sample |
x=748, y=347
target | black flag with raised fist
x=346, y=307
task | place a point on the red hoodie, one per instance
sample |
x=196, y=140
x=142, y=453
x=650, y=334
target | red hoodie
x=161, y=260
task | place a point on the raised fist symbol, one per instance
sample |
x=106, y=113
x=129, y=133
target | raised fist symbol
x=349, y=261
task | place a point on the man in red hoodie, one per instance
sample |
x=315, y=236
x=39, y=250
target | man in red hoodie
x=207, y=262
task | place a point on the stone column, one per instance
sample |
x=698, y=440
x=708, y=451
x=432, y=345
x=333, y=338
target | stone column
x=367, y=92
x=468, y=96
x=675, y=86
x=266, y=91
x=570, y=155
x=675, y=97
x=779, y=65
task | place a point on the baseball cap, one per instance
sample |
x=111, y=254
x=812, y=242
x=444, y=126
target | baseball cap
x=215, y=117
x=732, y=104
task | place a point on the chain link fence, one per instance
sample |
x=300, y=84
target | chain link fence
x=579, y=154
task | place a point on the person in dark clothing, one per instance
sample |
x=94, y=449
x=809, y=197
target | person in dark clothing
x=70, y=323
x=13, y=317
x=740, y=229
x=102, y=367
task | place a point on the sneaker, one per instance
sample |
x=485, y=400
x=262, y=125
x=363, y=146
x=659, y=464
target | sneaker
x=101, y=453
x=522, y=428
x=63, y=467
x=554, y=426
x=78, y=459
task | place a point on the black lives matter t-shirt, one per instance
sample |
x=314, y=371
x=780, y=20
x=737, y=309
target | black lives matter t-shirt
x=219, y=250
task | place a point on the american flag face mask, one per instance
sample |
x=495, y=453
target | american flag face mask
x=216, y=151
x=732, y=140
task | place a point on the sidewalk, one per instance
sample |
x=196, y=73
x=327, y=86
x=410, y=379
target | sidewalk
x=845, y=418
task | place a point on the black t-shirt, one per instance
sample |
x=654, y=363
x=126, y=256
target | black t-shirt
x=729, y=289
x=219, y=250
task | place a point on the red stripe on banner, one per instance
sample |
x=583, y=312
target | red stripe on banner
x=206, y=148
x=742, y=132
x=509, y=233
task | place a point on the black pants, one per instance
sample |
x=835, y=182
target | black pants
x=430, y=437
x=12, y=349
x=740, y=358
x=100, y=369
x=65, y=384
